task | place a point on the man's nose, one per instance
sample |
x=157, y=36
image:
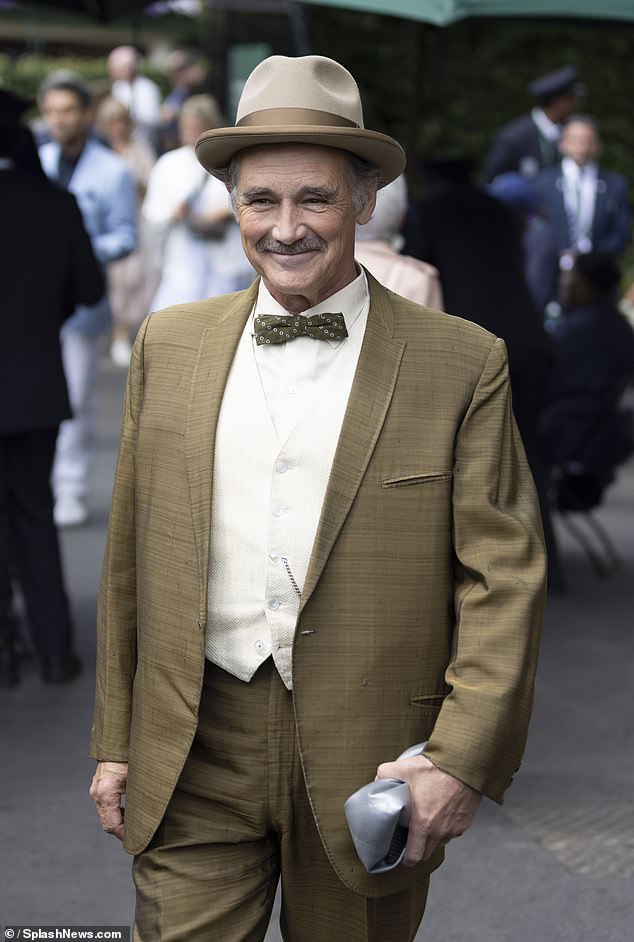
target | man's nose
x=288, y=226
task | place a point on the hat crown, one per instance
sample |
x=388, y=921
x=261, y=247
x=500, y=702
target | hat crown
x=307, y=82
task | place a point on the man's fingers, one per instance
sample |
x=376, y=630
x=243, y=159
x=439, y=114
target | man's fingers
x=110, y=816
x=106, y=790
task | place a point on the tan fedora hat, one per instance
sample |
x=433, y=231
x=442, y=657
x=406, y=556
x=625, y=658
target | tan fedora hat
x=305, y=100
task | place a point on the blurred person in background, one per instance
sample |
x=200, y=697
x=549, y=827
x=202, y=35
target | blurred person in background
x=529, y=143
x=594, y=347
x=186, y=74
x=140, y=95
x=195, y=240
x=129, y=285
x=541, y=257
x=376, y=249
x=476, y=243
x=588, y=206
x=48, y=267
x=104, y=189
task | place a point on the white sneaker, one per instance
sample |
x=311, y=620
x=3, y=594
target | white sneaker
x=69, y=511
x=120, y=352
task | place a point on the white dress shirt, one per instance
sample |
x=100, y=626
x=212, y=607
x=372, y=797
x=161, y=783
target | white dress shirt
x=580, y=193
x=291, y=372
x=546, y=127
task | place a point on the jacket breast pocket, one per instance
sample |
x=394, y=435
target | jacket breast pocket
x=416, y=480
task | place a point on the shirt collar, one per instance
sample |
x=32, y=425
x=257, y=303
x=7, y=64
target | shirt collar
x=349, y=301
x=548, y=128
x=573, y=171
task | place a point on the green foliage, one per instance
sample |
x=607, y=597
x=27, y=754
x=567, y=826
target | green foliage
x=472, y=77
x=26, y=73
x=440, y=92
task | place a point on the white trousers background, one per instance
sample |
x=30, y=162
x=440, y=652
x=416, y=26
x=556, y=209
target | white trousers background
x=76, y=440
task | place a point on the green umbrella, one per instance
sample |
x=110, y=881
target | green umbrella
x=445, y=12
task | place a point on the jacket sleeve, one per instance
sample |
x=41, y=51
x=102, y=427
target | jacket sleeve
x=117, y=605
x=86, y=283
x=117, y=236
x=481, y=730
x=501, y=157
x=620, y=230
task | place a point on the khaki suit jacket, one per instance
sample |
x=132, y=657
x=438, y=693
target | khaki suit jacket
x=422, y=605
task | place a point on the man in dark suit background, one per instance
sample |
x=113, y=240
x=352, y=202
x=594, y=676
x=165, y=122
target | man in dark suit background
x=48, y=267
x=529, y=143
x=588, y=206
x=476, y=243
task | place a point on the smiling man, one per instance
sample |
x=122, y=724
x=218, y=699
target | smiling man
x=324, y=547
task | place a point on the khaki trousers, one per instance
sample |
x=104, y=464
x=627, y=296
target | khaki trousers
x=237, y=821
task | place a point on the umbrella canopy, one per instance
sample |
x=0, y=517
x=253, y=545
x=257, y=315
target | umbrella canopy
x=445, y=12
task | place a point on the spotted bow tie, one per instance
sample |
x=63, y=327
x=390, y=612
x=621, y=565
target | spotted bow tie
x=278, y=328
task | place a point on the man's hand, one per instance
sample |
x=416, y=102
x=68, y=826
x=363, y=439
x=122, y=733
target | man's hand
x=108, y=785
x=443, y=807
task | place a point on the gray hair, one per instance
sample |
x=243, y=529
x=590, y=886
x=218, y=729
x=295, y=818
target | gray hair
x=388, y=215
x=364, y=178
x=585, y=119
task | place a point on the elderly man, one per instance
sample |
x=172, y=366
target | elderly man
x=140, y=95
x=324, y=547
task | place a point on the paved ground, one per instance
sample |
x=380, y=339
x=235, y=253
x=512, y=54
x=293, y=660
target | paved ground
x=556, y=863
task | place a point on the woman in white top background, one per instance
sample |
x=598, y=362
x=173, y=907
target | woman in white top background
x=196, y=243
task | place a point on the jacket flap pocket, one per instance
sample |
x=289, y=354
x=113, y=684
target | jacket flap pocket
x=407, y=480
x=432, y=702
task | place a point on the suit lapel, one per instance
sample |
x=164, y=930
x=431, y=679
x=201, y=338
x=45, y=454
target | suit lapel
x=600, y=203
x=559, y=216
x=370, y=397
x=213, y=362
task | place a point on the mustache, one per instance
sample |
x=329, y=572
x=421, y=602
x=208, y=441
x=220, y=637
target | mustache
x=311, y=243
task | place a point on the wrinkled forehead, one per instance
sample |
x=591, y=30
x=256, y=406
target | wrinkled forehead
x=286, y=160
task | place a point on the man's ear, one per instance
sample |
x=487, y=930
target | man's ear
x=366, y=213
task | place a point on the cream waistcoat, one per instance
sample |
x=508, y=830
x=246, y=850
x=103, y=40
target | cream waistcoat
x=266, y=502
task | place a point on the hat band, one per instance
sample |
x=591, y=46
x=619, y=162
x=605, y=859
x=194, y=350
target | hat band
x=278, y=117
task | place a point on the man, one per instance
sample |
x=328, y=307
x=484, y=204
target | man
x=476, y=244
x=105, y=191
x=48, y=268
x=140, y=95
x=363, y=570
x=585, y=431
x=587, y=205
x=529, y=143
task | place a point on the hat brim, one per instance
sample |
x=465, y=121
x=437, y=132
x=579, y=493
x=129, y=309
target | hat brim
x=216, y=148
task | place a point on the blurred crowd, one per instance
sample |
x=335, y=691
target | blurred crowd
x=528, y=247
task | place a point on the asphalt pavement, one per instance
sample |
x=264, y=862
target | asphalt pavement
x=555, y=863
